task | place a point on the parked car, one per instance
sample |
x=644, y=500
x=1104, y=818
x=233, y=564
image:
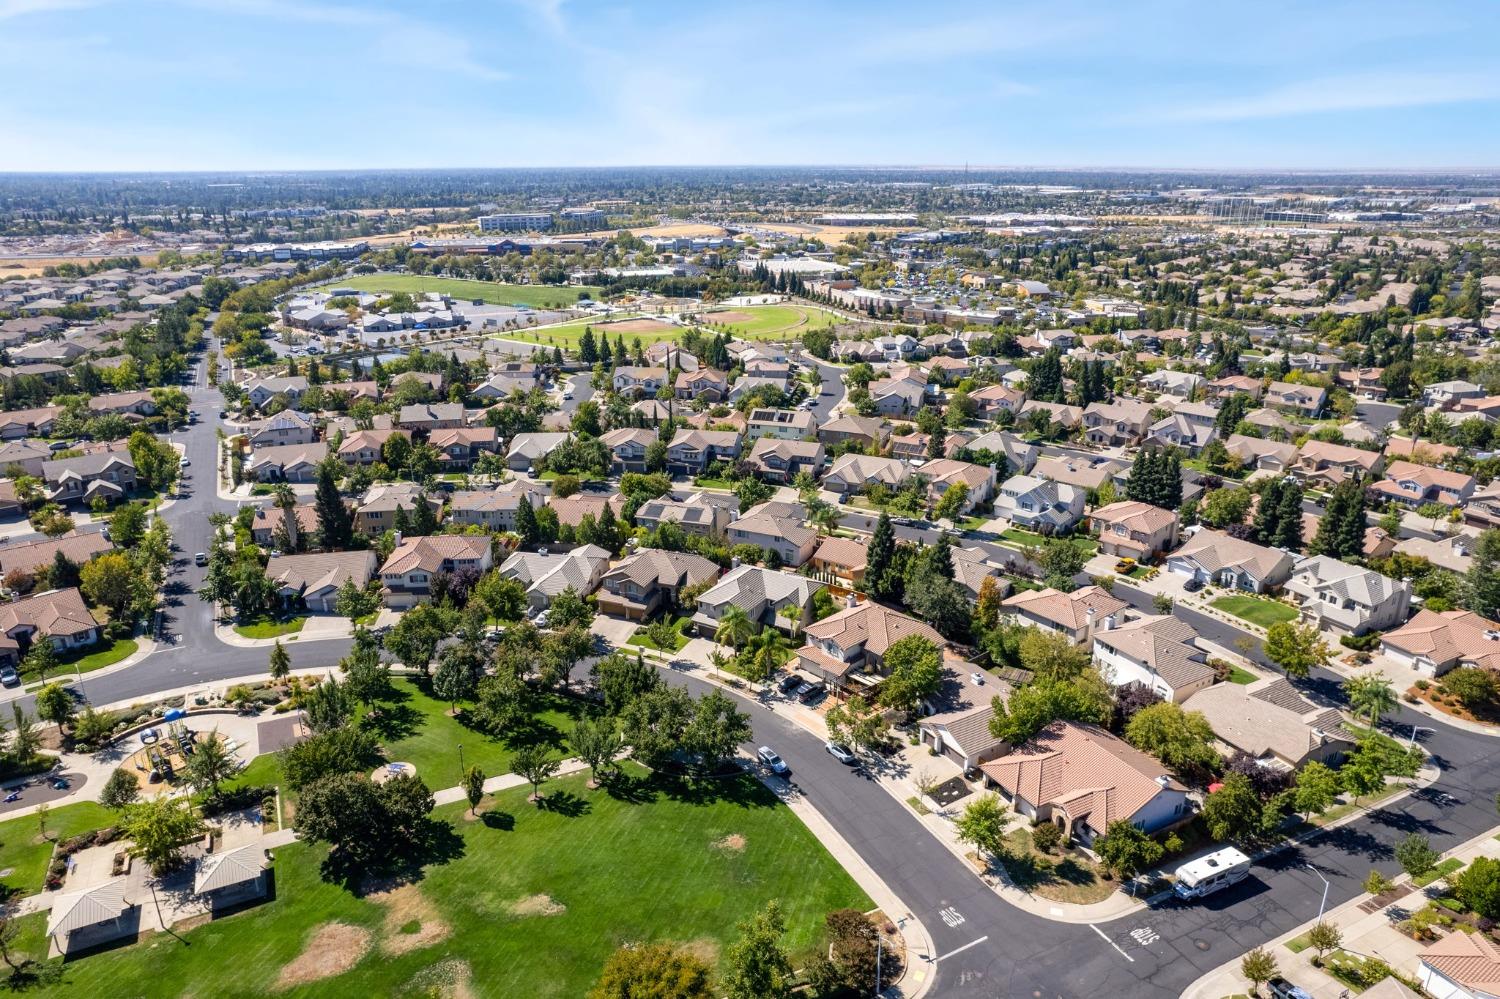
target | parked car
x=809, y=692
x=184, y=463
x=789, y=683
x=773, y=762
x=1283, y=989
x=9, y=677
x=1193, y=585
x=840, y=752
x=201, y=558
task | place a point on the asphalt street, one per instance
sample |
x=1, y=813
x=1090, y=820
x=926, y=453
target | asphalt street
x=984, y=947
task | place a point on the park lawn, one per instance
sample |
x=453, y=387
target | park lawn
x=1256, y=610
x=591, y=853
x=769, y=320
x=270, y=627
x=26, y=854
x=415, y=728
x=567, y=335
x=536, y=296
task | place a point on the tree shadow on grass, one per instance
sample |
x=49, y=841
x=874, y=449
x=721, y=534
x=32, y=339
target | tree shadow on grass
x=493, y=818
x=395, y=861
x=533, y=731
x=631, y=789
x=30, y=974
x=566, y=803
x=393, y=722
x=739, y=789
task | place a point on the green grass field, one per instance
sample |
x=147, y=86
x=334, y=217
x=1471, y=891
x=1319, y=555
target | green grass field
x=1017, y=537
x=417, y=729
x=271, y=628
x=537, y=296
x=1256, y=610
x=772, y=320
x=660, y=862
x=26, y=854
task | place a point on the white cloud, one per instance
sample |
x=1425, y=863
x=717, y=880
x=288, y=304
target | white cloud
x=1354, y=92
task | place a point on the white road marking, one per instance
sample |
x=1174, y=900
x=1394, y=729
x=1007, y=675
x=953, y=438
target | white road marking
x=1107, y=940
x=1145, y=936
x=965, y=947
x=952, y=917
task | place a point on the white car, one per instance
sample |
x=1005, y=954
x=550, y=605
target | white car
x=840, y=752
x=773, y=762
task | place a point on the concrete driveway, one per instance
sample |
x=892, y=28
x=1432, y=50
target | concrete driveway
x=614, y=630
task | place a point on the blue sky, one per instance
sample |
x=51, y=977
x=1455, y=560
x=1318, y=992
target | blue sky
x=287, y=84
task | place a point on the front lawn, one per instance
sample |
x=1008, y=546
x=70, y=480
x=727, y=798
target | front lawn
x=1256, y=610
x=526, y=902
x=709, y=482
x=416, y=728
x=267, y=627
x=84, y=660
x=645, y=641
x=1070, y=877
x=1238, y=675
x=1030, y=539
x=25, y=853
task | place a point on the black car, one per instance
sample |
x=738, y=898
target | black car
x=789, y=683
x=809, y=692
x=1283, y=989
x=1193, y=585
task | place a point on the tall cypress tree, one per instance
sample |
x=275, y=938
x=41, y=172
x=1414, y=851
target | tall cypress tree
x=526, y=526
x=1267, y=513
x=1288, y=533
x=1352, y=529
x=1140, y=485
x=588, y=353
x=878, y=557
x=1170, y=479
x=335, y=523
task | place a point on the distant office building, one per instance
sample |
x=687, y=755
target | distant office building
x=515, y=222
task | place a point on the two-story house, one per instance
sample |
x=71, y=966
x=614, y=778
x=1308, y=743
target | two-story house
x=406, y=577
x=1447, y=395
x=784, y=424
x=1307, y=400
x=768, y=597
x=868, y=432
x=495, y=509
x=364, y=447
x=262, y=390
x=106, y=474
x=650, y=581
x=897, y=396
x=547, y=575
x=287, y=462
x=698, y=514
x=377, y=508
x=634, y=382
x=426, y=417
x=1347, y=598
x=781, y=461
x=776, y=527
x=853, y=643
x=1078, y=615
x=943, y=474
x=708, y=384
x=1157, y=652
x=1134, y=530
x=1181, y=432
x=1261, y=455
x=286, y=427
x=627, y=447
x=1415, y=485
x=1116, y=424
x=60, y=615
x=991, y=399
x=527, y=449
x=1320, y=463
x=1041, y=505
x=1180, y=384
x=854, y=473
x=459, y=447
x=691, y=451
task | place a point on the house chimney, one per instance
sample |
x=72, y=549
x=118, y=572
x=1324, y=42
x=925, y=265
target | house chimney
x=851, y=601
x=1109, y=623
x=734, y=562
x=398, y=539
x=1163, y=780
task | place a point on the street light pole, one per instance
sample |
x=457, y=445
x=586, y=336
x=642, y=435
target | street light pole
x=1411, y=740
x=1324, y=903
x=461, y=770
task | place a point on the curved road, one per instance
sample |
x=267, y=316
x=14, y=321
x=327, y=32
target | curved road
x=985, y=947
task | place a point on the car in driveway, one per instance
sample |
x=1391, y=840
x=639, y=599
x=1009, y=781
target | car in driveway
x=809, y=692
x=201, y=558
x=1280, y=988
x=790, y=683
x=840, y=752
x=1192, y=585
x=773, y=763
x=9, y=677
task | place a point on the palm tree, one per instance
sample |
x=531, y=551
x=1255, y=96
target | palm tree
x=824, y=515
x=764, y=653
x=1370, y=694
x=735, y=627
x=286, y=501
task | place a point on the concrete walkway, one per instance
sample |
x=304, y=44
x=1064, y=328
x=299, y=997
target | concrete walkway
x=1365, y=933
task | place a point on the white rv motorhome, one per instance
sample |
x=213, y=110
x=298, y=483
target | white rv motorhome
x=1207, y=875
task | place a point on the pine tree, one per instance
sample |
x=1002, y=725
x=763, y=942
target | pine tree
x=1170, y=480
x=940, y=558
x=878, y=557
x=1267, y=513
x=1352, y=530
x=1139, y=485
x=335, y=523
x=526, y=526
x=1288, y=533
x=423, y=519
x=588, y=353
x=937, y=441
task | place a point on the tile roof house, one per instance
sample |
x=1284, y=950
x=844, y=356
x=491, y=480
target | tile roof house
x=430, y=416
x=1040, y=505
x=1347, y=598
x=1180, y=431
x=495, y=509
x=377, y=509
x=1308, y=400
x=546, y=576
x=776, y=527
x=627, y=447
x=1432, y=643
x=853, y=473
x=705, y=383
x=1321, y=463
x=406, y=577
x=286, y=427
x=636, y=381
x=1259, y=454
x=778, y=460
x=1181, y=384
x=1137, y=530
x=1019, y=455
x=1078, y=615
x=1159, y=652
x=959, y=727
x=897, y=396
x=109, y=474
x=287, y=462
x=263, y=390
x=841, y=561
x=944, y=473
x=1460, y=966
x=61, y=615
x=694, y=515
x=991, y=399
x=526, y=449
x=1447, y=395
x=868, y=430
x=1272, y=722
x=786, y=424
x=650, y=580
x=850, y=646
x=1416, y=485
x=315, y=578
x=29, y=556
x=690, y=452
x=1116, y=424
x=269, y=518
x=363, y=447
x=26, y=422
x=1215, y=557
x=1058, y=414
x=1082, y=778
x=460, y=446
x=571, y=510
x=762, y=594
